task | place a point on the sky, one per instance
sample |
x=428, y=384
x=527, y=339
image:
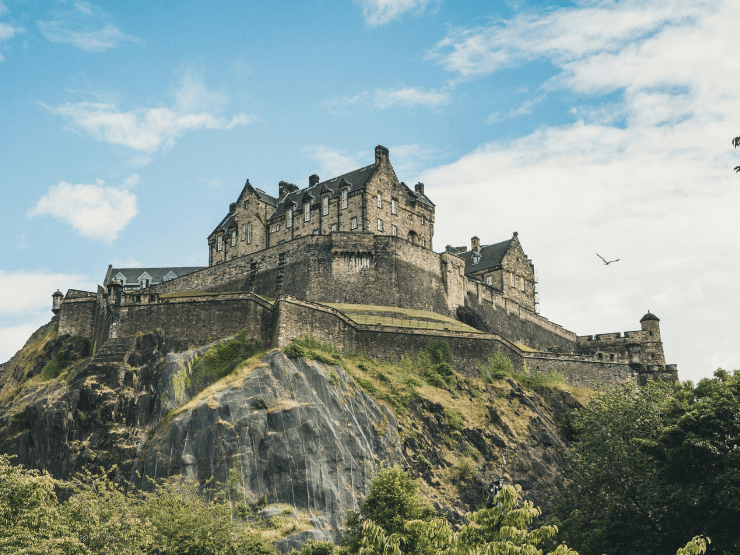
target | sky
x=590, y=126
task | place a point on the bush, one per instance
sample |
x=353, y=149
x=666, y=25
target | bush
x=260, y=404
x=466, y=469
x=455, y=419
x=219, y=361
x=56, y=365
x=312, y=547
x=498, y=367
x=307, y=346
x=439, y=351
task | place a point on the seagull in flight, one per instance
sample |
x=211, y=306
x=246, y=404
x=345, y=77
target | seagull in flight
x=605, y=262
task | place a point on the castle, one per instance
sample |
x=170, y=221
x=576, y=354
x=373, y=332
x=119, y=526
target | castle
x=350, y=260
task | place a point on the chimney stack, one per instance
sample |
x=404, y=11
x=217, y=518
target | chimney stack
x=285, y=189
x=475, y=244
x=313, y=180
x=419, y=188
x=381, y=153
x=232, y=208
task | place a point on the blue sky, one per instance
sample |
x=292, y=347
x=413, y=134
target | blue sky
x=126, y=129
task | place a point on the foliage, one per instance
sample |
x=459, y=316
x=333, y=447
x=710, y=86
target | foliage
x=219, y=361
x=56, y=365
x=307, y=346
x=313, y=547
x=499, y=367
x=393, y=500
x=506, y=529
x=466, y=469
x=654, y=467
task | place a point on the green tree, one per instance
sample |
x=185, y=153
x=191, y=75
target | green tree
x=506, y=529
x=393, y=500
x=653, y=468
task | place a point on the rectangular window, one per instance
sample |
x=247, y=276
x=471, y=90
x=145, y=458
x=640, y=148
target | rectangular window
x=272, y=229
x=394, y=231
x=422, y=220
x=289, y=218
x=233, y=237
x=278, y=227
x=489, y=280
x=380, y=224
x=512, y=280
x=393, y=206
x=354, y=222
x=333, y=227
x=423, y=242
x=380, y=200
x=522, y=284
x=220, y=242
x=243, y=231
x=315, y=231
x=325, y=205
x=249, y=232
x=344, y=199
x=306, y=211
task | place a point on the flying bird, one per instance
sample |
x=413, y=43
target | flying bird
x=605, y=262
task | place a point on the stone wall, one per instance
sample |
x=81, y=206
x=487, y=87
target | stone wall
x=76, y=316
x=581, y=371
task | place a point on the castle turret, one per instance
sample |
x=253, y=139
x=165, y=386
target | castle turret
x=56, y=304
x=116, y=288
x=651, y=324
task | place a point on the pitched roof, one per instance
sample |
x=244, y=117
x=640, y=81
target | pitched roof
x=356, y=180
x=490, y=256
x=264, y=197
x=156, y=274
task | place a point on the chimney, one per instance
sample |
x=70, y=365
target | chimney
x=419, y=188
x=285, y=189
x=313, y=180
x=475, y=244
x=381, y=153
x=232, y=207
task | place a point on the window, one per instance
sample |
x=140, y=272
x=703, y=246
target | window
x=278, y=227
x=423, y=242
x=233, y=237
x=220, y=243
x=380, y=200
x=333, y=227
x=512, y=280
x=344, y=199
x=476, y=258
x=393, y=206
x=380, y=224
x=246, y=204
x=354, y=222
x=249, y=232
x=394, y=231
x=315, y=231
x=272, y=229
x=289, y=218
x=244, y=231
x=489, y=280
x=522, y=284
x=325, y=205
x=422, y=220
x=306, y=211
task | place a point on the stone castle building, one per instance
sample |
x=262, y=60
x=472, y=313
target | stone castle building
x=299, y=262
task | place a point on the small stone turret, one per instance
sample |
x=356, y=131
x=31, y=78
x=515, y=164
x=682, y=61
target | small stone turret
x=116, y=289
x=56, y=304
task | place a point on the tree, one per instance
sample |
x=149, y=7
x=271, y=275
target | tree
x=393, y=500
x=654, y=468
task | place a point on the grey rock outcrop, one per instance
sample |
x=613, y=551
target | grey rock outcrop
x=314, y=447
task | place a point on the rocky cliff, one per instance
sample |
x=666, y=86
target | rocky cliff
x=298, y=435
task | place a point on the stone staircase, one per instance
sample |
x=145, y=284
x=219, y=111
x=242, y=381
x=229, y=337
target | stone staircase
x=114, y=350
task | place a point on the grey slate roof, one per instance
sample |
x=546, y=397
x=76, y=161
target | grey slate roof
x=264, y=197
x=356, y=180
x=157, y=274
x=490, y=256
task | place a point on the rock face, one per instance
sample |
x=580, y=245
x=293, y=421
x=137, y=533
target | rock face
x=284, y=431
x=292, y=436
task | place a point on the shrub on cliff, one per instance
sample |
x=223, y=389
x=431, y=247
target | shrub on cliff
x=307, y=346
x=220, y=360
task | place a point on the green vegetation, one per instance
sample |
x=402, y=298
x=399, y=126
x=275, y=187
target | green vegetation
x=220, y=360
x=500, y=367
x=55, y=366
x=654, y=466
x=307, y=346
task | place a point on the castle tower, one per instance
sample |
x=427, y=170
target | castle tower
x=56, y=303
x=652, y=347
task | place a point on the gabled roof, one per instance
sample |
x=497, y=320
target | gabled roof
x=157, y=274
x=490, y=256
x=356, y=180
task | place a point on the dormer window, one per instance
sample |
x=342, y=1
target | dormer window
x=380, y=200
x=325, y=205
x=220, y=243
x=289, y=218
x=476, y=258
x=344, y=198
x=306, y=211
x=233, y=237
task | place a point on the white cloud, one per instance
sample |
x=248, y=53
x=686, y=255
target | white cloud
x=7, y=31
x=410, y=97
x=26, y=296
x=381, y=12
x=657, y=190
x=129, y=262
x=96, y=211
x=148, y=129
x=131, y=181
x=85, y=27
x=336, y=162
